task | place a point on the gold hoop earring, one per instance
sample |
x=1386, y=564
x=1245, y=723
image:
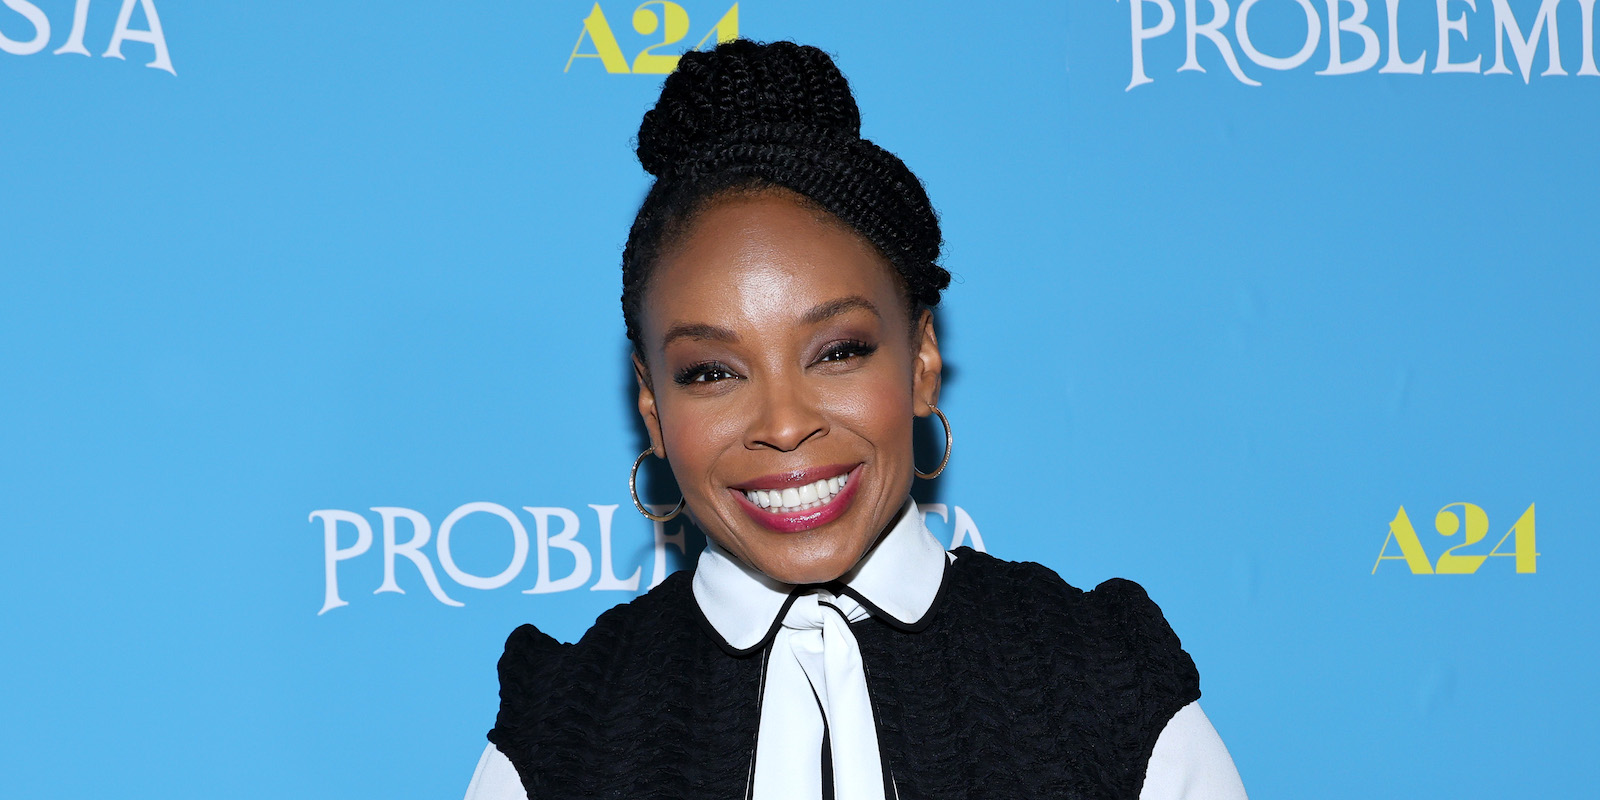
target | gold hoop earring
x=949, y=442
x=633, y=477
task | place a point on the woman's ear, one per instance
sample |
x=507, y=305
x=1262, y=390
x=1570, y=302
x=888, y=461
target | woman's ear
x=647, y=406
x=927, y=365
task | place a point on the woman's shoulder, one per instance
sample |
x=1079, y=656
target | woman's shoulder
x=619, y=628
x=573, y=704
x=1028, y=583
x=1116, y=618
x=552, y=691
x=1035, y=652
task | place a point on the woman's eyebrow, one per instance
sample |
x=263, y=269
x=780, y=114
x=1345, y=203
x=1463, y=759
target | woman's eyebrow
x=698, y=331
x=834, y=308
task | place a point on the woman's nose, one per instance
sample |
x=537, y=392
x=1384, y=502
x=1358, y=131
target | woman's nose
x=786, y=417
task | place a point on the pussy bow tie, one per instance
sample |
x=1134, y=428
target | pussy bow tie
x=816, y=684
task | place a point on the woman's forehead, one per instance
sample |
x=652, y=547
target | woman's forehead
x=764, y=258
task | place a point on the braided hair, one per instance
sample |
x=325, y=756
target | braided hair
x=750, y=117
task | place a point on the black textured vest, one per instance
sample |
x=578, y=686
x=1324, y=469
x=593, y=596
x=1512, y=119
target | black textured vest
x=1019, y=686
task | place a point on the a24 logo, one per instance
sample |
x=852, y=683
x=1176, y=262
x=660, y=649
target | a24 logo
x=1473, y=524
x=671, y=24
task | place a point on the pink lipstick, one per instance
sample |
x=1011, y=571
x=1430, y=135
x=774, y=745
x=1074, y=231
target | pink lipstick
x=790, y=502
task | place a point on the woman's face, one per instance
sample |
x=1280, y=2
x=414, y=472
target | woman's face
x=783, y=375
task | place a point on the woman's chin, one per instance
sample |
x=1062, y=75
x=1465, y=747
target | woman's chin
x=815, y=564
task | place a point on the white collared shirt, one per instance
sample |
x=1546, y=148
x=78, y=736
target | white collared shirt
x=812, y=683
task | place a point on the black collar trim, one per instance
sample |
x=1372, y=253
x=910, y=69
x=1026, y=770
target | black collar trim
x=916, y=626
x=727, y=646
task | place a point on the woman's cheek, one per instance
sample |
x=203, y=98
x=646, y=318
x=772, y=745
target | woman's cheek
x=696, y=434
x=880, y=405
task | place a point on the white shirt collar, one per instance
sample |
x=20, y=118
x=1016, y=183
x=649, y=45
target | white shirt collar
x=898, y=580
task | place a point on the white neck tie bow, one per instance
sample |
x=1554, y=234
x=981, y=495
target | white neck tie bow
x=816, y=682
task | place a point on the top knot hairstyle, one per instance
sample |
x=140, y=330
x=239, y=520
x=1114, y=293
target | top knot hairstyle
x=749, y=116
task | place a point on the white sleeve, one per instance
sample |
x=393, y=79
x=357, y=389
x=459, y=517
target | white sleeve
x=495, y=778
x=1190, y=762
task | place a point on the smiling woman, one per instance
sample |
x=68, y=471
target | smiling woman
x=781, y=357
x=778, y=287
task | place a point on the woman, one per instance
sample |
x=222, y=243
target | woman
x=777, y=287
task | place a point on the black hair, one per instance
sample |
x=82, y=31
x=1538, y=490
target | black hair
x=748, y=117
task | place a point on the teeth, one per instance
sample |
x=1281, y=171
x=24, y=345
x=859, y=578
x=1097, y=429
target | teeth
x=792, y=499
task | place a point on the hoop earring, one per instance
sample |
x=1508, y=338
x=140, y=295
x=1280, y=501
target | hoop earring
x=633, y=477
x=949, y=442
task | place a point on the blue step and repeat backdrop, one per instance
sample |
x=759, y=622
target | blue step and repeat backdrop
x=313, y=380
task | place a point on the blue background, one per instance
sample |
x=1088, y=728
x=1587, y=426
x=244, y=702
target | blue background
x=1206, y=336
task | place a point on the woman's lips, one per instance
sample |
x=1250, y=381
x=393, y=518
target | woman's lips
x=818, y=496
x=795, y=478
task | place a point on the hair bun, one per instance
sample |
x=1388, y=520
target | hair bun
x=745, y=91
x=751, y=116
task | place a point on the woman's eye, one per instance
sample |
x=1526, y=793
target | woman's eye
x=703, y=373
x=842, y=351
